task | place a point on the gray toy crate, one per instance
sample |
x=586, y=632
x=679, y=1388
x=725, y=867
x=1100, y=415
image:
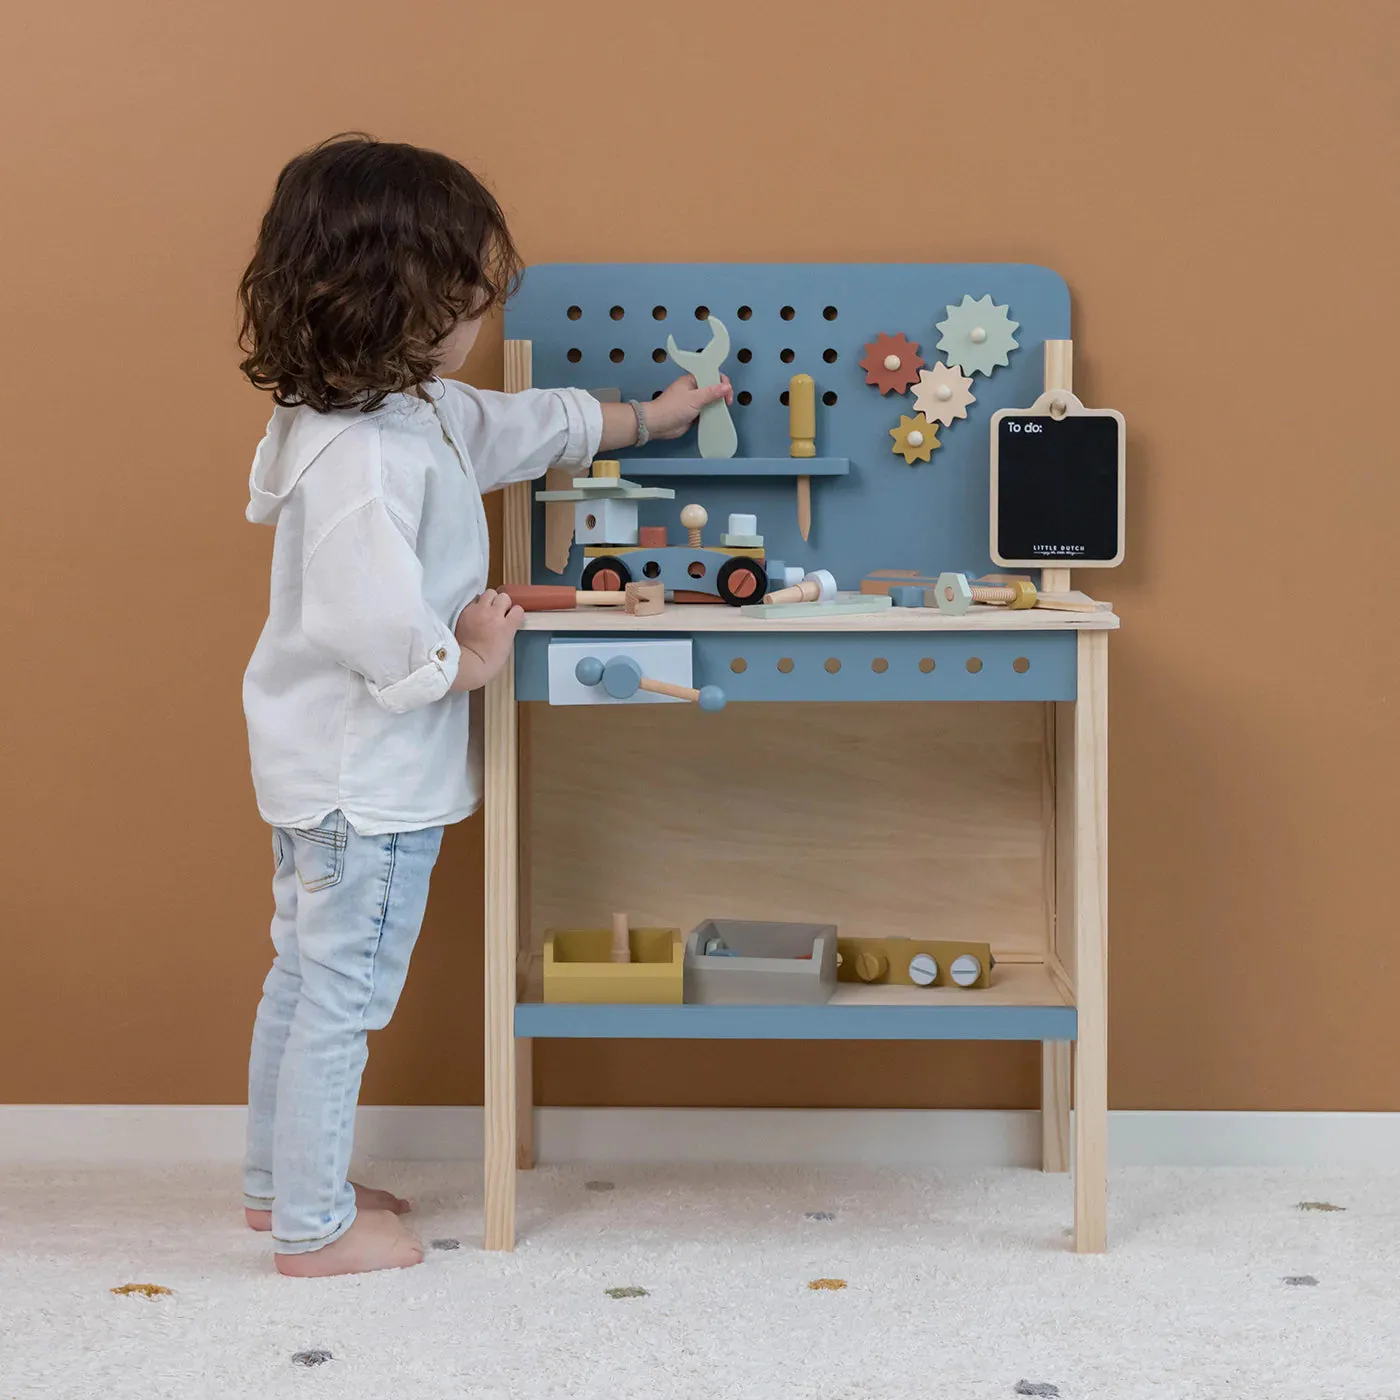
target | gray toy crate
x=769, y=966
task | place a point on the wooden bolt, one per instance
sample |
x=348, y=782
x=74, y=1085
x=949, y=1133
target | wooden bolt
x=872, y=967
x=607, y=469
x=694, y=518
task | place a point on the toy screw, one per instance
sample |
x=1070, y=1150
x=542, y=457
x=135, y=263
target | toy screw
x=695, y=518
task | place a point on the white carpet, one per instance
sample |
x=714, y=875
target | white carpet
x=958, y=1286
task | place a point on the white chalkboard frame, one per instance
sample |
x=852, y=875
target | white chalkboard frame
x=1057, y=403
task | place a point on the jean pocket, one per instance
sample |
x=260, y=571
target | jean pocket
x=320, y=852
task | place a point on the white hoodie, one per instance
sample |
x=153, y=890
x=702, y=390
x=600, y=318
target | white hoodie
x=381, y=542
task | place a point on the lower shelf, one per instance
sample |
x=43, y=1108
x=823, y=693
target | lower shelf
x=1023, y=1004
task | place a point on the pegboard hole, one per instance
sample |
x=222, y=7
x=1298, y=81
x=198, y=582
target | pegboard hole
x=832, y=665
x=830, y=356
x=830, y=313
x=879, y=665
x=974, y=664
x=786, y=356
x=743, y=398
x=574, y=356
x=738, y=665
x=783, y=398
x=651, y=569
x=574, y=312
x=745, y=313
x=656, y=393
x=1021, y=665
x=744, y=356
x=702, y=313
x=696, y=570
x=658, y=313
x=616, y=356
x=787, y=313
x=785, y=665
x=829, y=398
x=926, y=664
x=659, y=355
x=617, y=313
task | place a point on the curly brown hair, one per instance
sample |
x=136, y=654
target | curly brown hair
x=368, y=256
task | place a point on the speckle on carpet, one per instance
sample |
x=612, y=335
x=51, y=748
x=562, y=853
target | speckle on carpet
x=693, y=1283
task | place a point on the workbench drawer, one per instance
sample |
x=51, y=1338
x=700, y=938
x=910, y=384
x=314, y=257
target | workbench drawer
x=659, y=658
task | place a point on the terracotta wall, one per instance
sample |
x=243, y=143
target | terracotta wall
x=1215, y=180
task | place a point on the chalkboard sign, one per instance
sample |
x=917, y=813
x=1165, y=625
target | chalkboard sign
x=1057, y=484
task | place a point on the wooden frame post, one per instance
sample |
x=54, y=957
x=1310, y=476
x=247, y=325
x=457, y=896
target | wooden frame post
x=509, y=1086
x=1087, y=822
x=1059, y=374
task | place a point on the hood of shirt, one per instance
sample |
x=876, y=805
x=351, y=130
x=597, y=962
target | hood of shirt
x=295, y=437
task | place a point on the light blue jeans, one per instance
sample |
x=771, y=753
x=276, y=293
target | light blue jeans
x=348, y=911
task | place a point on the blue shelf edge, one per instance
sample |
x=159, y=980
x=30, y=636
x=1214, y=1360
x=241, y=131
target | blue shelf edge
x=733, y=466
x=558, y=1020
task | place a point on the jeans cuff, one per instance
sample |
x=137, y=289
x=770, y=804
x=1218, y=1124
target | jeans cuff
x=310, y=1246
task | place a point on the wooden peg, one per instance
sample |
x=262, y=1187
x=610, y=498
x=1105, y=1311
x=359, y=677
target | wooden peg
x=621, y=944
x=802, y=428
x=694, y=518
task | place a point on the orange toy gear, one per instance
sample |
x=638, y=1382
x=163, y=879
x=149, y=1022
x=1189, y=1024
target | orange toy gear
x=891, y=363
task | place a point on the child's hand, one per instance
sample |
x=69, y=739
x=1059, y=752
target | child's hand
x=485, y=631
x=679, y=404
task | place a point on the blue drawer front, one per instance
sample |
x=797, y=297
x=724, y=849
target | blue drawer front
x=856, y=666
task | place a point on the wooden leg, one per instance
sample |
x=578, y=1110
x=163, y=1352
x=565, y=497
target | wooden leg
x=1089, y=823
x=502, y=931
x=524, y=1105
x=1054, y=1105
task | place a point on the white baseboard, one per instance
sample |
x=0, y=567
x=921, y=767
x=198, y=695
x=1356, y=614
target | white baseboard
x=99, y=1134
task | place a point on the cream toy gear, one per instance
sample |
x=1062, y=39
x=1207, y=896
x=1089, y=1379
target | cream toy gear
x=942, y=394
x=978, y=335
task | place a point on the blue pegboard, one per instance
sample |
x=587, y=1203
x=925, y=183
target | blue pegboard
x=883, y=514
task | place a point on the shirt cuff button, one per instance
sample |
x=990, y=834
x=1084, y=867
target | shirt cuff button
x=441, y=653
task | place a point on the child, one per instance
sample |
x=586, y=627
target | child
x=373, y=269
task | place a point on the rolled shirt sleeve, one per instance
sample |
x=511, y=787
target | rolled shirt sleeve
x=518, y=437
x=363, y=604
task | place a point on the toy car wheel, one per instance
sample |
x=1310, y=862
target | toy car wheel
x=741, y=581
x=605, y=575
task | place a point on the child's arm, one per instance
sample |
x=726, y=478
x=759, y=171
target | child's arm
x=485, y=631
x=362, y=603
x=518, y=437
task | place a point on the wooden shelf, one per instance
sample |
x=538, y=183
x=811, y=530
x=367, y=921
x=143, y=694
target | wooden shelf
x=698, y=617
x=734, y=466
x=1022, y=1004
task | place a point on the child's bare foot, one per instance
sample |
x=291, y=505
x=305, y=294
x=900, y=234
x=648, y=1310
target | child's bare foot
x=366, y=1198
x=378, y=1239
x=485, y=631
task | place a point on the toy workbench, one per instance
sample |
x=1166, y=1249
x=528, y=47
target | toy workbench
x=893, y=760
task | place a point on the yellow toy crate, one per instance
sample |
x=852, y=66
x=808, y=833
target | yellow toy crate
x=577, y=966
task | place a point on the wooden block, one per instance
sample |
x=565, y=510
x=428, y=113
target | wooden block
x=741, y=541
x=652, y=537
x=644, y=599
x=907, y=595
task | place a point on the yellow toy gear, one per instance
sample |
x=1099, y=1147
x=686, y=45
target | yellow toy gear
x=915, y=438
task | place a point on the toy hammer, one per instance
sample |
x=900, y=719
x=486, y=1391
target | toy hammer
x=955, y=596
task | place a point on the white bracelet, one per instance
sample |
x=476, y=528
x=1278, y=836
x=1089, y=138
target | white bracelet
x=643, y=432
